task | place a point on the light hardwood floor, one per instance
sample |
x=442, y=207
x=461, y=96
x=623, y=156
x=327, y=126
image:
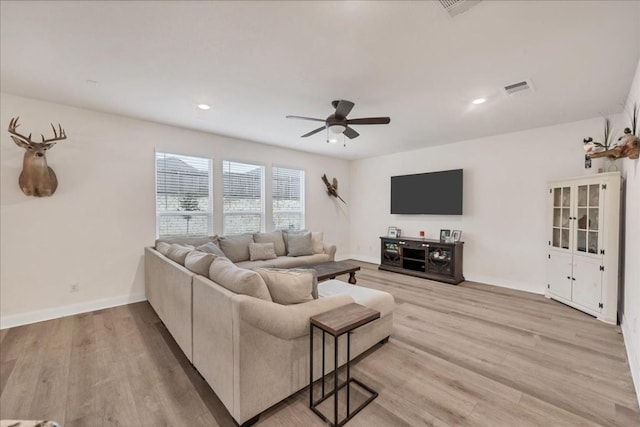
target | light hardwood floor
x=466, y=355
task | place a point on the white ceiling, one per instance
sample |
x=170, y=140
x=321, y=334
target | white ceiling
x=256, y=62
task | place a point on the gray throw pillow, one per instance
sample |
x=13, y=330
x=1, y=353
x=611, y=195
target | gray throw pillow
x=287, y=233
x=236, y=248
x=300, y=244
x=211, y=248
x=163, y=248
x=199, y=262
x=290, y=286
x=178, y=253
x=262, y=251
x=276, y=238
x=238, y=280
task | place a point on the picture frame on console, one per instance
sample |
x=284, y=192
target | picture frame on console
x=456, y=235
x=444, y=235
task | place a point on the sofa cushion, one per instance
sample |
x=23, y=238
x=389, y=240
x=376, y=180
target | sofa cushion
x=236, y=248
x=262, y=251
x=238, y=280
x=299, y=244
x=266, y=263
x=300, y=261
x=377, y=300
x=199, y=262
x=316, y=242
x=275, y=238
x=211, y=248
x=293, y=286
x=163, y=247
x=178, y=253
x=287, y=233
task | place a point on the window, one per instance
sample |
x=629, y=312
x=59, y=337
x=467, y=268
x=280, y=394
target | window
x=183, y=202
x=288, y=198
x=243, y=197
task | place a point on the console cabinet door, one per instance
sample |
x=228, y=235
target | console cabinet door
x=587, y=283
x=559, y=274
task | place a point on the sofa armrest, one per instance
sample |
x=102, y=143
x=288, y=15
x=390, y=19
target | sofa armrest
x=330, y=250
x=284, y=321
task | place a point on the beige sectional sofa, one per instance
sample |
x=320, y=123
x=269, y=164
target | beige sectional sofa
x=252, y=351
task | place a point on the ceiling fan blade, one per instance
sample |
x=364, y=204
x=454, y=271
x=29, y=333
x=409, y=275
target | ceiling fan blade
x=370, y=121
x=350, y=133
x=343, y=108
x=313, y=132
x=305, y=118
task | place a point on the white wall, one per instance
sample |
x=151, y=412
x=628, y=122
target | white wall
x=94, y=228
x=505, y=196
x=631, y=291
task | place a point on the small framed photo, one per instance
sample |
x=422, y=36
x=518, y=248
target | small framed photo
x=455, y=235
x=392, y=232
x=444, y=235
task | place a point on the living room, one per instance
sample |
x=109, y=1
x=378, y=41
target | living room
x=80, y=65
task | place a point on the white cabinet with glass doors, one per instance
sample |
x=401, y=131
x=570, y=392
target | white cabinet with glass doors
x=584, y=232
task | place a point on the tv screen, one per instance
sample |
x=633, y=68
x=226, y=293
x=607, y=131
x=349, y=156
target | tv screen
x=435, y=193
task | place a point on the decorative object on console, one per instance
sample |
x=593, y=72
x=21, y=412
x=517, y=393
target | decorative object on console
x=455, y=235
x=392, y=232
x=332, y=188
x=37, y=178
x=444, y=235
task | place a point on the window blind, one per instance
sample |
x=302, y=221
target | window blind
x=287, y=198
x=243, y=197
x=183, y=199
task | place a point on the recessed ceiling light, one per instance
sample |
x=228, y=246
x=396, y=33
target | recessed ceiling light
x=204, y=106
x=479, y=101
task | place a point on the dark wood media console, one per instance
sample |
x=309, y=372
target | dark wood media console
x=430, y=259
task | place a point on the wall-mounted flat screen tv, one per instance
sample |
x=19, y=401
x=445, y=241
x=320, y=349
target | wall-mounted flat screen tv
x=434, y=193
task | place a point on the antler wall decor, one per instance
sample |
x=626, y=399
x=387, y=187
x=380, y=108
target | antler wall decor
x=37, y=178
x=332, y=189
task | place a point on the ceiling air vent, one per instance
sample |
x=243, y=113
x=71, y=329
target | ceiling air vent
x=523, y=86
x=456, y=7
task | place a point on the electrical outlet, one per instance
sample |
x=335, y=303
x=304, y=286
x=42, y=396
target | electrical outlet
x=75, y=287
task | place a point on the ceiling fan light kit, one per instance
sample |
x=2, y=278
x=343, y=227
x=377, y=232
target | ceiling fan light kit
x=337, y=123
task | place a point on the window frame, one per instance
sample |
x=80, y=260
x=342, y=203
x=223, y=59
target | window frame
x=209, y=213
x=303, y=195
x=262, y=213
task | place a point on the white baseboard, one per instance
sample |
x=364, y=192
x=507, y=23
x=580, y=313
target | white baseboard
x=633, y=355
x=67, y=310
x=363, y=258
x=535, y=288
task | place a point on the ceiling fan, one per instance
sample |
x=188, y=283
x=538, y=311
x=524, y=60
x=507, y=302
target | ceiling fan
x=338, y=123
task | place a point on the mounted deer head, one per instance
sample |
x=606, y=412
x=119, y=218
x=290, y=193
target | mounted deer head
x=37, y=178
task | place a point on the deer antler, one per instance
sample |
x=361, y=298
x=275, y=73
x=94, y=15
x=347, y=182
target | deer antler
x=58, y=135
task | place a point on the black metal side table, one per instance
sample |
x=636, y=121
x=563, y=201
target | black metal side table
x=337, y=322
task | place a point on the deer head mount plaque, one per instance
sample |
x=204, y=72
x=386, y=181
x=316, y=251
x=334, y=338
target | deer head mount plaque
x=37, y=178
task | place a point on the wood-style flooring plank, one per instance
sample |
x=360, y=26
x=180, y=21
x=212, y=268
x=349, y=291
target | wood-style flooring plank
x=466, y=355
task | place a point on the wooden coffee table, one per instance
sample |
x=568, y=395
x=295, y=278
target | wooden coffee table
x=329, y=270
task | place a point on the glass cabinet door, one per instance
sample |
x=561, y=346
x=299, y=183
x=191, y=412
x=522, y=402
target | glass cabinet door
x=588, y=218
x=561, y=225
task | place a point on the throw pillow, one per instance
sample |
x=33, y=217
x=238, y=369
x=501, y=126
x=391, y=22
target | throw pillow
x=236, y=248
x=178, y=253
x=287, y=233
x=261, y=251
x=275, y=237
x=300, y=244
x=316, y=242
x=199, y=262
x=238, y=280
x=211, y=248
x=163, y=247
x=292, y=286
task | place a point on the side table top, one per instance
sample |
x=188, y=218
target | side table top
x=344, y=319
